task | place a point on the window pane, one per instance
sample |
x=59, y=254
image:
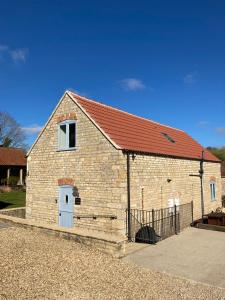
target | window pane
x=62, y=136
x=214, y=191
x=72, y=135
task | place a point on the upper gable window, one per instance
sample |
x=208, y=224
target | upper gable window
x=168, y=137
x=67, y=135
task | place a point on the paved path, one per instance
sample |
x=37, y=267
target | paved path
x=195, y=254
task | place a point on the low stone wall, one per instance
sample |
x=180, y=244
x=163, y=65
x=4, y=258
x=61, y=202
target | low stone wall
x=211, y=227
x=113, y=245
x=14, y=212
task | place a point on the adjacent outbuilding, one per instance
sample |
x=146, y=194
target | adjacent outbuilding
x=12, y=166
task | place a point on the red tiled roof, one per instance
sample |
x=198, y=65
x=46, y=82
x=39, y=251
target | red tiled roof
x=129, y=132
x=12, y=157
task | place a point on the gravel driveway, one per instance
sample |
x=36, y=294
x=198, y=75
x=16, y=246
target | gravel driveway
x=36, y=266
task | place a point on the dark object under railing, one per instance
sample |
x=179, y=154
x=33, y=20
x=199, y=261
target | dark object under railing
x=147, y=234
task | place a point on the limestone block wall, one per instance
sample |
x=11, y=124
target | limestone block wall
x=97, y=169
x=150, y=188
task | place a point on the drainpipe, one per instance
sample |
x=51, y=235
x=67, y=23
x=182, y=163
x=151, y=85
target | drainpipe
x=200, y=175
x=128, y=198
x=201, y=172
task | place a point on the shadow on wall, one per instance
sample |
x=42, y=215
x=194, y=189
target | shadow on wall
x=4, y=204
x=19, y=212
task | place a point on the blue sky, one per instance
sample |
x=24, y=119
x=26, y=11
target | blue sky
x=163, y=60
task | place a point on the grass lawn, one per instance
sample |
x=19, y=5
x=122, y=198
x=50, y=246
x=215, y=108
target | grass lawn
x=12, y=199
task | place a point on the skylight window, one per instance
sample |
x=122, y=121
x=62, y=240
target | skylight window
x=171, y=140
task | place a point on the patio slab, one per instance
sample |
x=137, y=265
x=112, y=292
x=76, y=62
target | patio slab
x=195, y=254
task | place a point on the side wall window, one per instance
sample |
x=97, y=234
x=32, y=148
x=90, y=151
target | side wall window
x=67, y=135
x=213, y=191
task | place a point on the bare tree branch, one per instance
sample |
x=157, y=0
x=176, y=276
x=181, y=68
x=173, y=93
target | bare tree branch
x=11, y=133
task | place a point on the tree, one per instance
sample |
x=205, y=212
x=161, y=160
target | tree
x=11, y=133
x=218, y=152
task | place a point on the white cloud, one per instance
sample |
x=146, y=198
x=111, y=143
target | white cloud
x=16, y=55
x=221, y=130
x=32, y=129
x=132, y=84
x=191, y=78
x=19, y=55
x=203, y=124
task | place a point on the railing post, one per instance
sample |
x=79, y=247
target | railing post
x=162, y=223
x=192, y=211
x=153, y=219
x=126, y=222
x=175, y=221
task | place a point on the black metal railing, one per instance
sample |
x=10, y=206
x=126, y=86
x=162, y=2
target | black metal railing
x=162, y=222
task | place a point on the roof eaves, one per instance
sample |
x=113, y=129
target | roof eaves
x=169, y=155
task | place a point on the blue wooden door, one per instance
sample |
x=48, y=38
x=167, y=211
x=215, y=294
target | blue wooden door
x=66, y=205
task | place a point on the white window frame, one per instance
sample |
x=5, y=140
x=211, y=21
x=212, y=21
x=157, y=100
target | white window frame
x=212, y=191
x=67, y=123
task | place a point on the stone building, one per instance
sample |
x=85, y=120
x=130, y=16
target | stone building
x=91, y=160
x=12, y=166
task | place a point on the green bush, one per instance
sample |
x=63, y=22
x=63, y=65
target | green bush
x=4, y=181
x=13, y=180
x=219, y=152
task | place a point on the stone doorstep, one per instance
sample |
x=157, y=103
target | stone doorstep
x=112, y=244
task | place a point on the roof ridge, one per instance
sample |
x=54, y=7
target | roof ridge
x=120, y=110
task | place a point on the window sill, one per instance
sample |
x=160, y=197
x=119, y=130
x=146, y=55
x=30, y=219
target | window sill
x=213, y=200
x=63, y=150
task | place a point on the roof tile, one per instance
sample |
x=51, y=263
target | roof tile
x=12, y=157
x=130, y=132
